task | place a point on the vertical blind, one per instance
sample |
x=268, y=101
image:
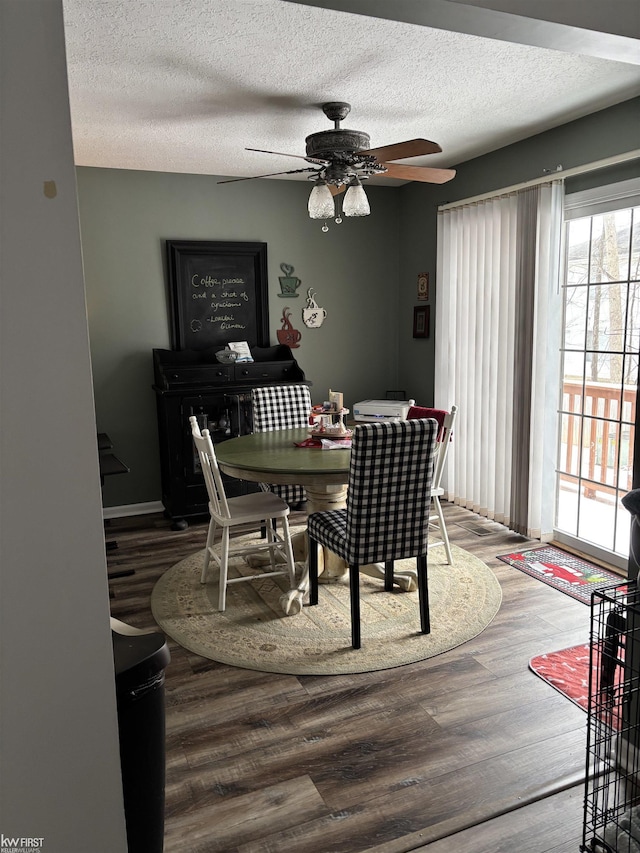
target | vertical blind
x=498, y=321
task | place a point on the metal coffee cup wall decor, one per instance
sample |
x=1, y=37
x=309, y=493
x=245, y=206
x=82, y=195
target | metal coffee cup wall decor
x=313, y=316
x=289, y=282
x=287, y=335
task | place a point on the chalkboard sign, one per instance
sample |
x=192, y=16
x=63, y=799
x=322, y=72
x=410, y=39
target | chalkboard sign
x=218, y=293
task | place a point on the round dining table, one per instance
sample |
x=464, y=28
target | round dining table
x=274, y=457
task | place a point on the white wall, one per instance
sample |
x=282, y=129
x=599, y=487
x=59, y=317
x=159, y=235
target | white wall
x=59, y=762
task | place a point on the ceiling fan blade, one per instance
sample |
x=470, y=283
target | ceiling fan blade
x=410, y=148
x=334, y=190
x=270, y=175
x=418, y=173
x=281, y=154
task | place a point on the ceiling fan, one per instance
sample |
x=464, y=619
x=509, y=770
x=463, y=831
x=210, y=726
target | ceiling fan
x=341, y=159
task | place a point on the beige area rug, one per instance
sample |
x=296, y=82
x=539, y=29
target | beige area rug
x=253, y=633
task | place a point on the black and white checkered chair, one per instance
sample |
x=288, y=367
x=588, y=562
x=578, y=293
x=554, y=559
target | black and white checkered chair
x=281, y=407
x=387, y=513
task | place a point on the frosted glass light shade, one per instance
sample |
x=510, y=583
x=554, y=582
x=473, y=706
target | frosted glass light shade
x=355, y=201
x=321, y=204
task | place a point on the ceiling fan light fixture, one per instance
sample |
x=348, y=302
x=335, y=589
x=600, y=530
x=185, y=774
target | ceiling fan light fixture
x=321, y=204
x=339, y=159
x=355, y=201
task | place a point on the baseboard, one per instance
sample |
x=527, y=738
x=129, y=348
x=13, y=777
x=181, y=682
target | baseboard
x=132, y=509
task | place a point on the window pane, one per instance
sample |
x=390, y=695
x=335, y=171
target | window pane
x=631, y=370
x=567, y=519
x=575, y=320
x=569, y=460
x=603, y=394
x=604, y=369
x=572, y=393
x=625, y=467
x=596, y=522
x=606, y=317
x=629, y=406
x=594, y=454
x=578, y=243
x=610, y=246
x=633, y=317
x=610, y=441
x=573, y=368
x=595, y=254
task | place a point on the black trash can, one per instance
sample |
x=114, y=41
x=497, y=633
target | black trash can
x=140, y=660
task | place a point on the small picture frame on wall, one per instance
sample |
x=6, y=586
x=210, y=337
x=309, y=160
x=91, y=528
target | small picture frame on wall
x=421, y=321
x=423, y=286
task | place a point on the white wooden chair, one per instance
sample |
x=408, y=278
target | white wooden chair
x=446, y=421
x=257, y=509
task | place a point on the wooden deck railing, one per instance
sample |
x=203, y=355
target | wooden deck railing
x=602, y=408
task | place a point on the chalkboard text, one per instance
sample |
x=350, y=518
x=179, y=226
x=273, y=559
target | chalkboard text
x=209, y=281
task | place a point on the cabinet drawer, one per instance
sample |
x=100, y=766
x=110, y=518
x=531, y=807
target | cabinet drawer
x=209, y=375
x=269, y=371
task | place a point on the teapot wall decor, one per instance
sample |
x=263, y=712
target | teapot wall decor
x=287, y=335
x=289, y=282
x=313, y=316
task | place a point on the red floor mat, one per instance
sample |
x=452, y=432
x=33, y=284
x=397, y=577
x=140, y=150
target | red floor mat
x=568, y=672
x=561, y=570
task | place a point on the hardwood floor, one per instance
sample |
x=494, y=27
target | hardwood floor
x=468, y=752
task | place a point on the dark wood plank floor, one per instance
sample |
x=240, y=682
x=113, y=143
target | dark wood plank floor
x=468, y=752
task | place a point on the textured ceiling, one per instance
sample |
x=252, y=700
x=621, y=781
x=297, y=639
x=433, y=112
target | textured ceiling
x=186, y=85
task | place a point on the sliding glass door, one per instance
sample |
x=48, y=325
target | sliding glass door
x=599, y=382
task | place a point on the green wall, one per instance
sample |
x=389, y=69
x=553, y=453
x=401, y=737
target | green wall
x=364, y=272
x=126, y=215
x=603, y=134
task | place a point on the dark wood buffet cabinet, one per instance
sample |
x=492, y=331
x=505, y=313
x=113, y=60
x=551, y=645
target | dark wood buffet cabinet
x=193, y=382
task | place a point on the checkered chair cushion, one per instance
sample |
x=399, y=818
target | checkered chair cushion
x=388, y=498
x=281, y=407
